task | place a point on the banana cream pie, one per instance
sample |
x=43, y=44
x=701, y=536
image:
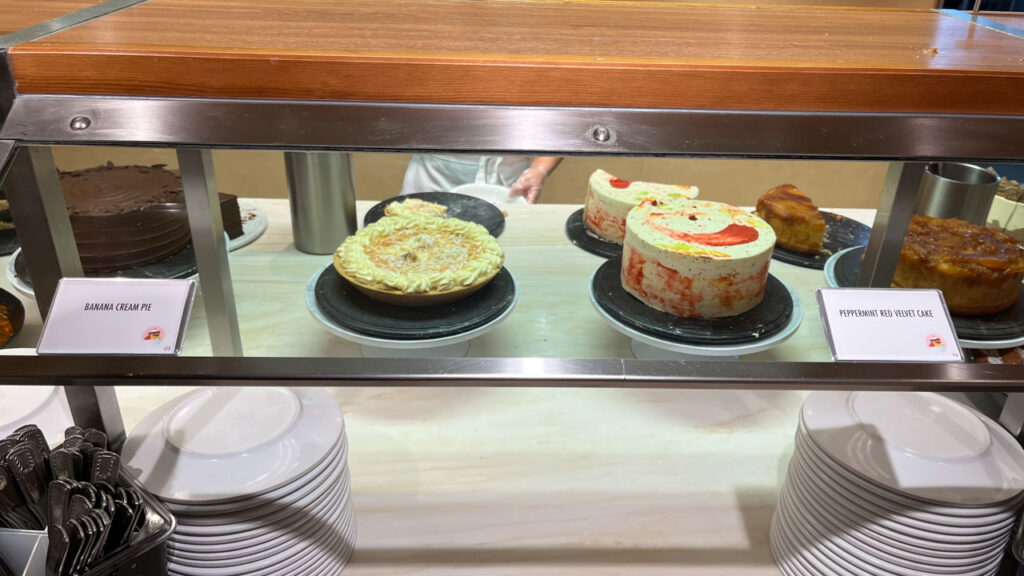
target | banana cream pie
x=419, y=260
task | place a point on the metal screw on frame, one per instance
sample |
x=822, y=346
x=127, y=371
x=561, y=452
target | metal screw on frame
x=602, y=134
x=80, y=123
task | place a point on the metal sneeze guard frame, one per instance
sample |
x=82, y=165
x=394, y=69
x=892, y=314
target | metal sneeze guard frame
x=908, y=140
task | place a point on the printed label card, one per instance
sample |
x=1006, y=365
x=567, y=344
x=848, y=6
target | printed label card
x=890, y=325
x=118, y=316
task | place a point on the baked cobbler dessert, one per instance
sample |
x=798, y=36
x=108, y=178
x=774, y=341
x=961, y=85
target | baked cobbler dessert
x=419, y=260
x=978, y=269
x=696, y=258
x=609, y=200
x=799, y=225
x=411, y=206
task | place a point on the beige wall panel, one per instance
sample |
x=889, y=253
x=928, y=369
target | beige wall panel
x=260, y=174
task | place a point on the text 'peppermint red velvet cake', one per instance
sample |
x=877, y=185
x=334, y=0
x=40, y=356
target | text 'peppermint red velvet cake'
x=696, y=258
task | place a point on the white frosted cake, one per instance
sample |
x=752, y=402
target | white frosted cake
x=609, y=200
x=696, y=258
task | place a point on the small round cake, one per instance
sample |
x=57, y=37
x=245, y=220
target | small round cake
x=419, y=260
x=695, y=258
x=125, y=216
x=128, y=216
x=978, y=269
x=609, y=200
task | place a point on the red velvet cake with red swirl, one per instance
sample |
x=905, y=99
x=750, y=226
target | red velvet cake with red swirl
x=695, y=258
x=609, y=200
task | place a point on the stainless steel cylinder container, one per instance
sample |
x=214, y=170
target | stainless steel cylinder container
x=952, y=190
x=322, y=197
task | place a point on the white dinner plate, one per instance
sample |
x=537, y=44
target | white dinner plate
x=229, y=525
x=45, y=406
x=825, y=497
x=856, y=535
x=311, y=532
x=832, y=548
x=279, y=523
x=265, y=536
x=968, y=513
x=284, y=496
x=871, y=557
x=918, y=443
x=804, y=555
x=781, y=554
x=218, y=445
x=898, y=511
x=330, y=542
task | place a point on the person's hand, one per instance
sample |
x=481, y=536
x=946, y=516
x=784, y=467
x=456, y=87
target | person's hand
x=529, y=183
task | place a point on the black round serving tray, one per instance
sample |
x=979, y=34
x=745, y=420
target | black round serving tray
x=840, y=233
x=350, y=309
x=461, y=206
x=15, y=314
x=181, y=264
x=578, y=233
x=8, y=241
x=758, y=323
x=1006, y=325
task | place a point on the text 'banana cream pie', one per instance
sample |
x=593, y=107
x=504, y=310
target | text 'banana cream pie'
x=419, y=260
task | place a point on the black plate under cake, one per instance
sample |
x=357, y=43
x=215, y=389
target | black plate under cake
x=181, y=264
x=840, y=233
x=350, y=309
x=758, y=323
x=1006, y=325
x=460, y=206
x=14, y=310
x=580, y=235
x=8, y=241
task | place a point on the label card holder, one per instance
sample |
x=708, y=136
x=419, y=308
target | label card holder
x=118, y=316
x=888, y=324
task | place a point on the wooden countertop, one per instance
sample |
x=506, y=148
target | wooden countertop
x=20, y=14
x=536, y=52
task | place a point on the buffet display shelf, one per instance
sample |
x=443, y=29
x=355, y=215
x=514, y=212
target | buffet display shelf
x=553, y=338
x=537, y=53
x=552, y=319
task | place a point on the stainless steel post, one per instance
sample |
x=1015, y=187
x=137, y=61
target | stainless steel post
x=322, y=197
x=894, y=212
x=211, y=247
x=1012, y=416
x=41, y=216
x=49, y=249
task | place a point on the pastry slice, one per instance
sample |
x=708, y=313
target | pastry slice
x=799, y=225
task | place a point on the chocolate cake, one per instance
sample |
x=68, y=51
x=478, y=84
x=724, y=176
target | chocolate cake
x=129, y=216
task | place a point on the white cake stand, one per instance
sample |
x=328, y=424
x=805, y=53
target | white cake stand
x=454, y=346
x=648, y=347
x=254, y=224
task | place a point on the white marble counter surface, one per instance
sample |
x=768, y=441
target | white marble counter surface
x=533, y=481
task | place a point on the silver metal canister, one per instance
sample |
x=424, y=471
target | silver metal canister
x=322, y=197
x=952, y=190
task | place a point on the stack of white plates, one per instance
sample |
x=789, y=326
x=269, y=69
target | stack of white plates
x=885, y=483
x=256, y=477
